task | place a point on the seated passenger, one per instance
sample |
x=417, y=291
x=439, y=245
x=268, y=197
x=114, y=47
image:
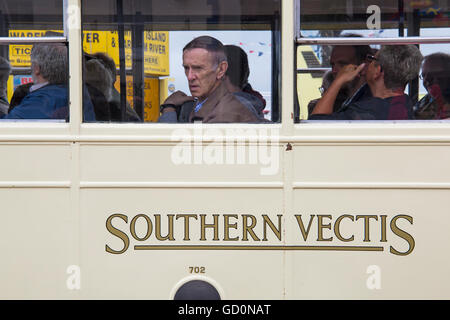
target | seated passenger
x=387, y=75
x=342, y=56
x=5, y=70
x=114, y=97
x=236, y=80
x=205, y=65
x=98, y=81
x=327, y=79
x=19, y=93
x=48, y=96
x=436, y=80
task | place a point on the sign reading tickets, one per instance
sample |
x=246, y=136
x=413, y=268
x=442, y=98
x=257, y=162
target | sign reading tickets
x=156, y=48
x=19, y=55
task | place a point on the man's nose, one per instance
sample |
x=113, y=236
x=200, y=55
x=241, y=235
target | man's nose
x=190, y=75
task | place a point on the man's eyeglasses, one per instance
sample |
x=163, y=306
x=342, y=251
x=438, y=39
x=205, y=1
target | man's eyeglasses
x=322, y=90
x=433, y=75
x=371, y=58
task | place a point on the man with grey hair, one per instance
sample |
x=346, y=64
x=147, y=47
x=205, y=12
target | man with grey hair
x=5, y=70
x=205, y=64
x=48, y=96
x=387, y=74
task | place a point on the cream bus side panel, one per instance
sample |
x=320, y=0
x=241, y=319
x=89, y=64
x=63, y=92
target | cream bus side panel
x=422, y=274
x=336, y=179
x=140, y=179
x=161, y=162
x=38, y=228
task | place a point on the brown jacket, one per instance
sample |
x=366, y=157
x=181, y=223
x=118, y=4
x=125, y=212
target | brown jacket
x=223, y=107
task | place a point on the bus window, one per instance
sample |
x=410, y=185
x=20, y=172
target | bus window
x=42, y=93
x=133, y=52
x=349, y=29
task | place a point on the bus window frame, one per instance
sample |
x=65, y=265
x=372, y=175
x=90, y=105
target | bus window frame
x=44, y=123
x=276, y=65
x=342, y=41
x=288, y=115
x=75, y=128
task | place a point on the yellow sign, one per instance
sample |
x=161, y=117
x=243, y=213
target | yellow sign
x=151, y=97
x=156, y=52
x=307, y=86
x=156, y=48
x=19, y=55
x=156, y=60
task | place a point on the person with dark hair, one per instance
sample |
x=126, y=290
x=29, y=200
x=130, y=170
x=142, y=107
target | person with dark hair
x=342, y=56
x=327, y=80
x=19, y=93
x=113, y=96
x=5, y=70
x=387, y=75
x=98, y=82
x=436, y=80
x=205, y=65
x=236, y=80
x=48, y=96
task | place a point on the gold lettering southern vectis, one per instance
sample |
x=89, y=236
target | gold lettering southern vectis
x=319, y=232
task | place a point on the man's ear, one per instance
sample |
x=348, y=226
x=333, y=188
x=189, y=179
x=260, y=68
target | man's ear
x=36, y=69
x=223, y=66
x=379, y=73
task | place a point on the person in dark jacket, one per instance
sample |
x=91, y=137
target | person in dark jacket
x=205, y=64
x=98, y=82
x=5, y=70
x=48, y=96
x=387, y=75
x=19, y=93
x=436, y=80
x=236, y=80
x=113, y=96
x=341, y=56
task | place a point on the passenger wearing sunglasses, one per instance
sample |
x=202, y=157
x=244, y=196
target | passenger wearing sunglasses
x=387, y=74
x=341, y=56
x=436, y=80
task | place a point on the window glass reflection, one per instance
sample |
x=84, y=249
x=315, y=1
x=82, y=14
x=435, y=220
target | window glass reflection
x=143, y=53
x=408, y=18
x=33, y=77
x=318, y=65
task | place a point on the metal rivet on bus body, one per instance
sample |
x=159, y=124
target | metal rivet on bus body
x=288, y=147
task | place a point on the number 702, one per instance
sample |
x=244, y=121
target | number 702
x=197, y=269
